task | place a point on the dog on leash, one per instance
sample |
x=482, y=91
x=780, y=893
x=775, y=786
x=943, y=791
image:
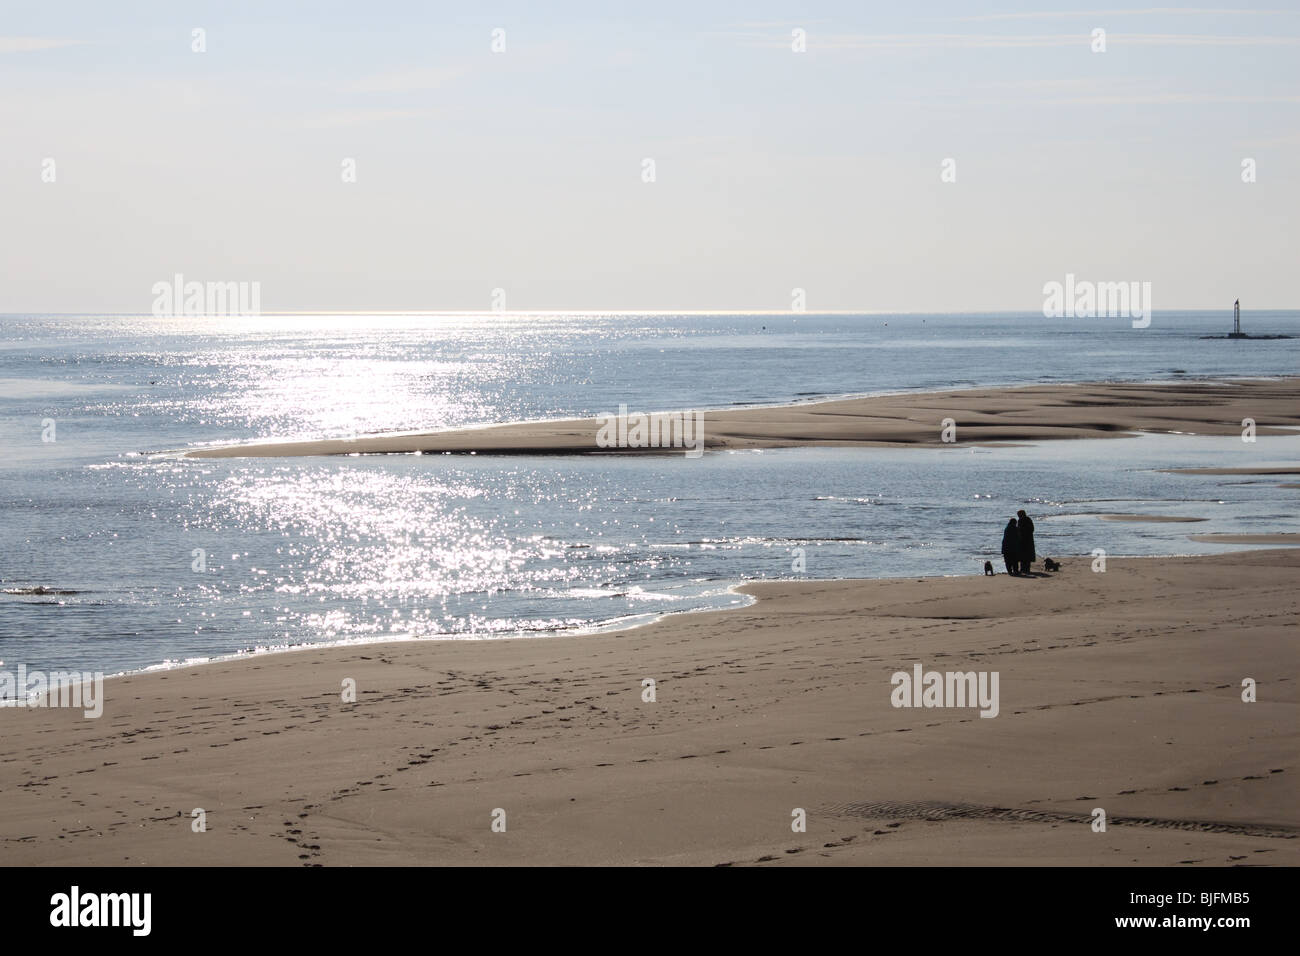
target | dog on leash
x=1050, y=565
x=988, y=568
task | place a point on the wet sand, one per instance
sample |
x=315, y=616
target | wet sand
x=1119, y=690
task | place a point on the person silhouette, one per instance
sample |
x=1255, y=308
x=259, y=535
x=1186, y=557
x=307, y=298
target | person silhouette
x=1011, y=547
x=1026, y=531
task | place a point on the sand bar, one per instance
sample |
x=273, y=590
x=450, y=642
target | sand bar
x=982, y=416
x=1156, y=519
x=1119, y=690
x=1285, y=470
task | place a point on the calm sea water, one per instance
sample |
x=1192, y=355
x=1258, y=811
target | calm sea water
x=167, y=560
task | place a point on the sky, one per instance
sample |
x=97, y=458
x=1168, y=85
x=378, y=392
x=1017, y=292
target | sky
x=518, y=177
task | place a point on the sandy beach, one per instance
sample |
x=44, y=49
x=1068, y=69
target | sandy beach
x=649, y=436
x=981, y=416
x=1119, y=690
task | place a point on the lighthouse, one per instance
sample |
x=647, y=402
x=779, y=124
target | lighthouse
x=1236, y=332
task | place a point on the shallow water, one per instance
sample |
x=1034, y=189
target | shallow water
x=174, y=560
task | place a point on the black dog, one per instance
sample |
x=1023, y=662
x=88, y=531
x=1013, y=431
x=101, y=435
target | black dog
x=988, y=568
x=1050, y=565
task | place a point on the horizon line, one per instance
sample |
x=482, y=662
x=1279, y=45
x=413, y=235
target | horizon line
x=611, y=312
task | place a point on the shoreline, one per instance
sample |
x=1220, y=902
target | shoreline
x=782, y=703
x=1240, y=544
x=615, y=626
x=979, y=415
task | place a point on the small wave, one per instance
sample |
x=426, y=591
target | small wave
x=39, y=590
x=638, y=593
x=856, y=501
x=592, y=593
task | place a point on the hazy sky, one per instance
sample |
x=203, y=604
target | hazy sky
x=523, y=170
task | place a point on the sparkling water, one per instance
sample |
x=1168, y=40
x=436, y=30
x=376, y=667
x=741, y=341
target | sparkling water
x=118, y=558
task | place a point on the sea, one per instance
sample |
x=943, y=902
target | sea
x=118, y=555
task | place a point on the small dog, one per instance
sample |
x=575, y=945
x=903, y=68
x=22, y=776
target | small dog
x=1050, y=565
x=988, y=568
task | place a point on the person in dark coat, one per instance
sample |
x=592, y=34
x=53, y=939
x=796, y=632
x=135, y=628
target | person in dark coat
x=1011, y=547
x=1025, y=527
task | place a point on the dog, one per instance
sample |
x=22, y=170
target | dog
x=988, y=568
x=1050, y=565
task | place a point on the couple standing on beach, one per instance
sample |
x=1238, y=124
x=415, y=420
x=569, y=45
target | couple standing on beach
x=1018, y=544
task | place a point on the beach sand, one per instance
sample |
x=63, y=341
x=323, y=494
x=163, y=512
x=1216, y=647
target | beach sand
x=982, y=416
x=1119, y=690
